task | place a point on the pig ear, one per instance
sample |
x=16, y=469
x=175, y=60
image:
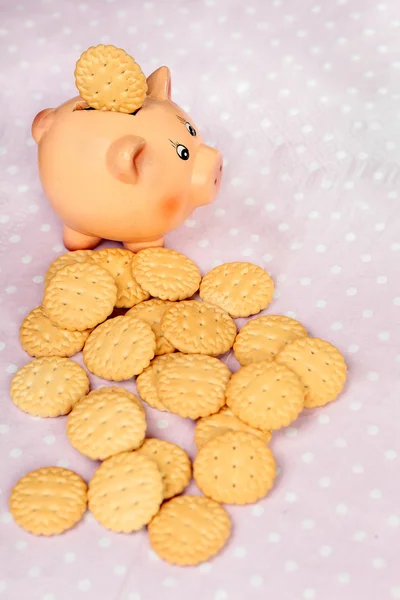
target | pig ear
x=159, y=84
x=122, y=158
x=42, y=123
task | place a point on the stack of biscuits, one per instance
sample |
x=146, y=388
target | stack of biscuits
x=171, y=343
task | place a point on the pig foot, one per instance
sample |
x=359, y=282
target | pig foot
x=136, y=246
x=79, y=241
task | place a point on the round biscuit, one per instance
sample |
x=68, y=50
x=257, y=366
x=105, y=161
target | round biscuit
x=118, y=262
x=166, y=274
x=189, y=530
x=173, y=463
x=126, y=492
x=119, y=348
x=146, y=383
x=199, y=328
x=79, y=296
x=265, y=395
x=320, y=367
x=105, y=423
x=41, y=337
x=240, y=288
x=210, y=427
x=49, y=386
x=118, y=390
x=235, y=468
x=193, y=385
x=67, y=259
x=48, y=501
x=264, y=337
x=108, y=78
x=152, y=311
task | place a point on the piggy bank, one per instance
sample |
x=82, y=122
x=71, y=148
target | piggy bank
x=131, y=178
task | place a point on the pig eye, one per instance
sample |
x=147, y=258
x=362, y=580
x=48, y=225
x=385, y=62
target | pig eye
x=182, y=152
x=190, y=129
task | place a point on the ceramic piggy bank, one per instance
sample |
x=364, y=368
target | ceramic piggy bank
x=128, y=177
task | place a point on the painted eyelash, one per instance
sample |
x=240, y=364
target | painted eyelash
x=174, y=143
x=180, y=119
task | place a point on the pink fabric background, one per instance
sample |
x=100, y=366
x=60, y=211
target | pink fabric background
x=303, y=100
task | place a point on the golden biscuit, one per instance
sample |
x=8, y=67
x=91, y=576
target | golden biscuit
x=79, y=296
x=108, y=78
x=199, y=328
x=210, y=427
x=119, y=348
x=152, y=312
x=126, y=492
x=265, y=395
x=166, y=274
x=118, y=390
x=320, y=367
x=67, y=259
x=49, y=387
x=41, y=337
x=105, y=423
x=173, y=463
x=264, y=337
x=118, y=263
x=193, y=385
x=146, y=383
x=235, y=468
x=48, y=501
x=189, y=530
x=240, y=288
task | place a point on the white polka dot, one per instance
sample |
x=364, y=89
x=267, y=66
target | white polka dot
x=384, y=336
x=6, y=517
x=21, y=545
x=256, y=580
x=220, y=595
x=291, y=497
x=283, y=226
x=395, y=246
x=11, y=289
x=12, y=368
x=340, y=443
x=233, y=231
x=203, y=243
x=49, y=439
x=49, y=597
x=152, y=556
x=305, y=281
x=381, y=279
x=14, y=239
x=313, y=214
x=390, y=454
x=239, y=552
x=267, y=257
x=84, y=585
x=323, y=419
x=352, y=291
x=69, y=557
x=378, y=563
x=58, y=248
x=255, y=237
x=290, y=431
x=325, y=482
x=368, y=313
x=105, y=542
x=247, y=251
x=205, y=567
x=344, y=578
x=321, y=303
x=15, y=452
x=162, y=424
x=307, y=457
x=134, y=596
x=309, y=594
x=355, y=405
x=375, y=494
x=26, y=259
x=396, y=301
x=257, y=510
x=3, y=586
x=291, y=565
x=342, y=509
x=296, y=245
x=353, y=348
x=336, y=270
x=120, y=570
x=366, y=258
x=373, y=429
x=38, y=279
x=270, y=207
x=394, y=521
x=395, y=591
x=360, y=536
x=337, y=326
x=358, y=469
x=34, y=572
x=320, y=248
x=308, y=524
x=2, y=346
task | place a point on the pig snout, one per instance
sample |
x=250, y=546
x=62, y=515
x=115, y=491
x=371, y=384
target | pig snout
x=206, y=177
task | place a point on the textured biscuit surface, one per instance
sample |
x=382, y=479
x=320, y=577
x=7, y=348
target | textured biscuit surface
x=235, y=468
x=67, y=259
x=80, y=296
x=240, y=288
x=166, y=274
x=119, y=348
x=266, y=395
x=118, y=262
x=49, y=387
x=109, y=79
x=189, y=530
x=320, y=367
x=146, y=382
x=173, y=463
x=210, y=427
x=264, y=337
x=48, y=501
x=152, y=312
x=126, y=492
x=193, y=385
x=39, y=337
x=199, y=328
x=106, y=422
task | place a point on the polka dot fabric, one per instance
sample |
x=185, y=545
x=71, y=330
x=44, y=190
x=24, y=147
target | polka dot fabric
x=302, y=98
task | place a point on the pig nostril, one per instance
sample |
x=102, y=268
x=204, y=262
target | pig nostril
x=215, y=181
x=220, y=168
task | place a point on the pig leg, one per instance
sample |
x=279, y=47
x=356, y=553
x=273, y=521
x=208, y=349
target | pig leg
x=136, y=246
x=79, y=241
